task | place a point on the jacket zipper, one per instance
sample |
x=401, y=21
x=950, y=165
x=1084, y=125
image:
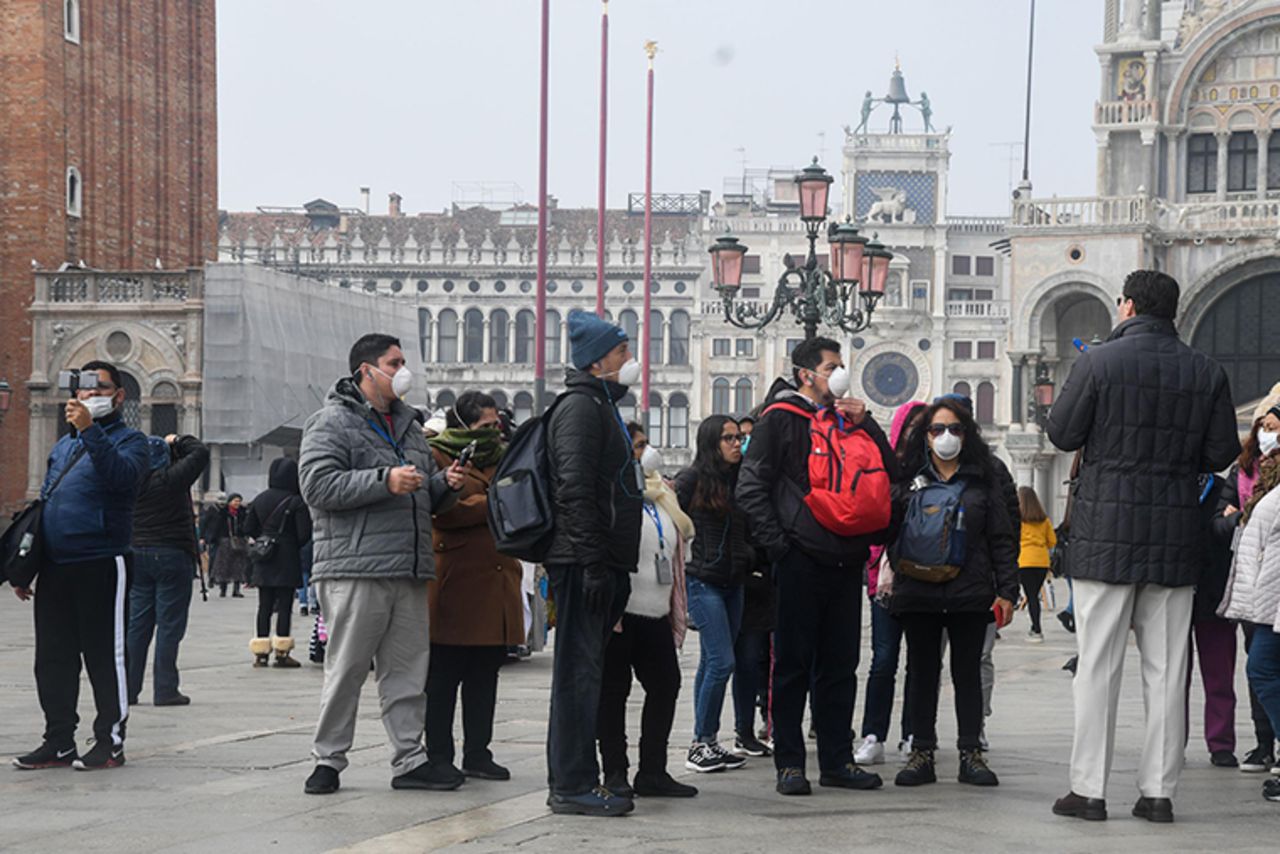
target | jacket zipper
x=413, y=505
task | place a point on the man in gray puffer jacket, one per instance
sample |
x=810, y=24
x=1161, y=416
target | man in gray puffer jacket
x=370, y=480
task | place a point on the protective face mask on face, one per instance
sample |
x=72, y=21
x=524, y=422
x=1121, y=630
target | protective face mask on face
x=838, y=382
x=1268, y=441
x=651, y=460
x=947, y=447
x=99, y=407
x=401, y=382
x=629, y=374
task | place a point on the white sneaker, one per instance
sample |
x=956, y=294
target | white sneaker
x=1035, y=637
x=870, y=752
x=905, y=746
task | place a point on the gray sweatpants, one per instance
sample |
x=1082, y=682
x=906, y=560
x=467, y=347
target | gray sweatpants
x=383, y=621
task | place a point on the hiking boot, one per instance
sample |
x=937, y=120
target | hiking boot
x=850, y=777
x=46, y=756
x=598, y=803
x=178, y=699
x=704, y=759
x=974, y=769
x=731, y=761
x=102, y=755
x=870, y=752
x=1271, y=789
x=435, y=778
x=791, y=781
x=1223, y=759
x=618, y=786
x=661, y=785
x=1072, y=805
x=919, y=770
x=1157, y=810
x=746, y=744
x=485, y=769
x=1258, y=760
x=323, y=781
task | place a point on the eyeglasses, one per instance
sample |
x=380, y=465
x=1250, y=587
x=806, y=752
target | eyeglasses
x=1121, y=300
x=734, y=439
x=641, y=444
x=936, y=430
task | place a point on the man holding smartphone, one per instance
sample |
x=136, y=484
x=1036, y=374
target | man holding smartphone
x=369, y=478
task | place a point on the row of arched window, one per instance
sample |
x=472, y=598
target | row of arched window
x=984, y=403
x=500, y=339
x=734, y=399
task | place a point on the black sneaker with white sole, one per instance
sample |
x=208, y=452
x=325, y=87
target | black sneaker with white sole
x=1271, y=789
x=46, y=756
x=704, y=758
x=1257, y=761
x=731, y=760
x=749, y=745
x=101, y=756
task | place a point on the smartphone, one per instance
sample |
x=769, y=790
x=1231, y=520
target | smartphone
x=467, y=453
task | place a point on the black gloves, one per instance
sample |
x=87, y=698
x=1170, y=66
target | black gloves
x=597, y=589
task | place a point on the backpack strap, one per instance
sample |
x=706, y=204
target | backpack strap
x=783, y=406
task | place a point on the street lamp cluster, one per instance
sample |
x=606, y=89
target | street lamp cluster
x=844, y=296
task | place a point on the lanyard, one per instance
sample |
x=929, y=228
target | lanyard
x=390, y=441
x=652, y=510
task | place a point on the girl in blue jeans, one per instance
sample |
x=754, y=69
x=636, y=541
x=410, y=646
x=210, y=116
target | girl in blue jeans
x=718, y=563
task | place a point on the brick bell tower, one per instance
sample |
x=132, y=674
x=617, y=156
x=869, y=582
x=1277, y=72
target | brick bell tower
x=108, y=159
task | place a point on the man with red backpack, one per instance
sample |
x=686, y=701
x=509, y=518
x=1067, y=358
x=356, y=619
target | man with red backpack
x=816, y=488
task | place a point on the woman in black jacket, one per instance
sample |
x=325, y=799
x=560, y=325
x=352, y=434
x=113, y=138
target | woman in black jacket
x=718, y=564
x=278, y=513
x=959, y=594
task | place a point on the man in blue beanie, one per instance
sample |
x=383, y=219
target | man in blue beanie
x=597, y=491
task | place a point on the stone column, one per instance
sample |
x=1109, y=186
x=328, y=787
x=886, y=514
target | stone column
x=1173, y=180
x=1132, y=26
x=1223, y=137
x=485, y=338
x=1044, y=479
x=1264, y=139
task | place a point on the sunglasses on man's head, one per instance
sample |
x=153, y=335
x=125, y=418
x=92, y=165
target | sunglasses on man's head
x=938, y=429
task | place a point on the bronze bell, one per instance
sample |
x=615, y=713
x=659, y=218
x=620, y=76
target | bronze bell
x=897, y=89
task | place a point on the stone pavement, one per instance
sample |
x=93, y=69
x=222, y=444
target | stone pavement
x=225, y=774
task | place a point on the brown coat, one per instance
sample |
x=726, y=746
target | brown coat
x=475, y=597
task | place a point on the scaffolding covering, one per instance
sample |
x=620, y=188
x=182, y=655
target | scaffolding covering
x=275, y=343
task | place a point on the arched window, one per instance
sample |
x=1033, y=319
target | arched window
x=131, y=409
x=498, y=337
x=424, y=334
x=655, y=337
x=523, y=409
x=743, y=397
x=164, y=409
x=630, y=324
x=525, y=323
x=678, y=418
x=445, y=399
x=473, y=336
x=986, y=404
x=553, y=337
x=71, y=20
x=720, y=396
x=962, y=388
x=448, y=329
x=679, y=338
x=75, y=191
x=653, y=419
x=1202, y=163
x=627, y=407
x=499, y=397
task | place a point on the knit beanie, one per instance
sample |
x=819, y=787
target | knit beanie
x=591, y=339
x=1268, y=403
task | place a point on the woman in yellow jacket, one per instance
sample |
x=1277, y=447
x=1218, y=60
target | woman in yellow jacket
x=1033, y=560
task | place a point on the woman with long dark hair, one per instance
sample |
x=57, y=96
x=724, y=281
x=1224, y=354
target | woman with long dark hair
x=954, y=565
x=717, y=566
x=1037, y=539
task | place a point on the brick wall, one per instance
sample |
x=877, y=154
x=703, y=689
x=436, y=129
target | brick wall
x=133, y=108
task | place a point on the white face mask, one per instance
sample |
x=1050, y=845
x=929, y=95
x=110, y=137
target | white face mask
x=401, y=382
x=1268, y=441
x=651, y=460
x=838, y=382
x=99, y=407
x=629, y=374
x=947, y=447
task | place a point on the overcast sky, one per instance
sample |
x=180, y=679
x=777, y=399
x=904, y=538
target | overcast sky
x=321, y=97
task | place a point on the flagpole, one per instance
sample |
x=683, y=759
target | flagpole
x=650, y=48
x=540, y=322
x=604, y=132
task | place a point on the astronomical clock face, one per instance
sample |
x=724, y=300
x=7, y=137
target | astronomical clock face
x=890, y=379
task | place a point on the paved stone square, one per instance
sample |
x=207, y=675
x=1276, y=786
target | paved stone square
x=225, y=773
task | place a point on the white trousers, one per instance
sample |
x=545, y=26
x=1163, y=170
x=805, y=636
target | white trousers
x=1161, y=620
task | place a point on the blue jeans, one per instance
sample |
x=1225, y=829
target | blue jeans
x=886, y=649
x=159, y=599
x=717, y=612
x=1263, y=670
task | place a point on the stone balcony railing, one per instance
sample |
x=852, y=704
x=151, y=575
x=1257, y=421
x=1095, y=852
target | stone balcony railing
x=1110, y=113
x=116, y=288
x=978, y=308
x=896, y=141
x=1195, y=219
x=978, y=224
x=1070, y=213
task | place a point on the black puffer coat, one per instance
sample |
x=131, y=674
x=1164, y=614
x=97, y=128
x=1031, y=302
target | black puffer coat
x=721, y=553
x=1217, y=494
x=279, y=510
x=1151, y=414
x=991, y=552
x=163, y=515
x=596, y=492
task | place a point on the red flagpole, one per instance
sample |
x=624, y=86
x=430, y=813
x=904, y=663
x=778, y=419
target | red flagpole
x=650, y=47
x=604, y=132
x=540, y=323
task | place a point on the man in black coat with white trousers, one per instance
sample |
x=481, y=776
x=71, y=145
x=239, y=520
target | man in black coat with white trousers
x=1152, y=414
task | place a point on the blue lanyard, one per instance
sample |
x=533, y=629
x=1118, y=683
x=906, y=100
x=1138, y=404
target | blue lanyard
x=390, y=441
x=652, y=510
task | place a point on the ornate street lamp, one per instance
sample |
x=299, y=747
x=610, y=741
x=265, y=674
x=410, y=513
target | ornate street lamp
x=845, y=296
x=1042, y=395
x=6, y=398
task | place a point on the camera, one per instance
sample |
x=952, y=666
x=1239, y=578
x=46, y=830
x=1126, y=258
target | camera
x=72, y=381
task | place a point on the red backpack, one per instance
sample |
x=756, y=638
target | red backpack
x=849, y=489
